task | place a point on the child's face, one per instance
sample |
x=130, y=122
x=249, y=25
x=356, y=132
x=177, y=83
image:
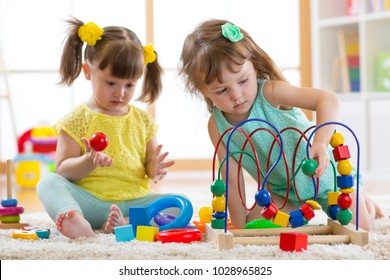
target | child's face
x=111, y=95
x=236, y=94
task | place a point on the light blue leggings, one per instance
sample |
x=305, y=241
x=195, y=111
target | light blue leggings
x=58, y=195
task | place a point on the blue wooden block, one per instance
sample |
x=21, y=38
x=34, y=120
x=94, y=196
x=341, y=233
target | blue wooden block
x=124, y=233
x=345, y=181
x=296, y=218
x=138, y=216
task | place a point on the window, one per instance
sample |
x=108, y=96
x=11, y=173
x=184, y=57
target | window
x=31, y=49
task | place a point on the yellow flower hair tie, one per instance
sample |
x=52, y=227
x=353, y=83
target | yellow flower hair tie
x=149, y=54
x=90, y=33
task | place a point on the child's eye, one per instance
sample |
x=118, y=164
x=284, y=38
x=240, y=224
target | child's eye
x=222, y=91
x=243, y=81
x=110, y=83
x=130, y=85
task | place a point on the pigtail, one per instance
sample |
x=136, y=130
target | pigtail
x=152, y=84
x=71, y=59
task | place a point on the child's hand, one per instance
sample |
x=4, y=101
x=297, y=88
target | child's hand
x=97, y=158
x=319, y=153
x=158, y=167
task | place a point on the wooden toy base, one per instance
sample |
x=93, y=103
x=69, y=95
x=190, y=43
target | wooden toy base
x=12, y=225
x=331, y=233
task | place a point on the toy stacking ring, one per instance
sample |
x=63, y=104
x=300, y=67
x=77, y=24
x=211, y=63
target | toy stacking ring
x=165, y=218
x=9, y=211
x=179, y=235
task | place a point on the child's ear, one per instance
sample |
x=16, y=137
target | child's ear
x=87, y=70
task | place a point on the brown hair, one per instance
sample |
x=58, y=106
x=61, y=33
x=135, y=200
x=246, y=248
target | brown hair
x=206, y=50
x=120, y=50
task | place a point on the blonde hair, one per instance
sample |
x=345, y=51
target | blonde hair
x=206, y=51
x=120, y=50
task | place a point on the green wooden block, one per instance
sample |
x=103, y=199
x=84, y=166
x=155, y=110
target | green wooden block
x=383, y=71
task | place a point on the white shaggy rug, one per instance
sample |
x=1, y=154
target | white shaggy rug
x=105, y=247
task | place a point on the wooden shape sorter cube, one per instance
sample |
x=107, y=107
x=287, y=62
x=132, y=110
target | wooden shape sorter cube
x=293, y=241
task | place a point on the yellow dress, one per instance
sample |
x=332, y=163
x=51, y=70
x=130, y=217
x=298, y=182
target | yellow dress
x=128, y=136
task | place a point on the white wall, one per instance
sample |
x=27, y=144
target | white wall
x=31, y=36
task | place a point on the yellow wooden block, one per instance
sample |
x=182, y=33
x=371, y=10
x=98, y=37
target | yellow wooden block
x=347, y=190
x=332, y=198
x=146, y=233
x=281, y=219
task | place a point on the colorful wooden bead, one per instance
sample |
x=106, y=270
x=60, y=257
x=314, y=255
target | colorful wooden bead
x=344, y=216
x=307, y=211
x=347, y=190
x=263, y=197
x=219, y=215
x=332, y=197
x=281, y=218
x=269, y=211
x=345, y=181
x=218, y=203
x=344, y=201
x=293, y=241
x=313, y=204
x=309, y=166
x=296, y=218
x=340, y=153
x=333, y=210
x=218, y=187
x=217, y=223
x=336, y=140
x=344, y=167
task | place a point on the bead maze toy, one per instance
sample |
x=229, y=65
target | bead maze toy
x=10, y=211
x=337, y=229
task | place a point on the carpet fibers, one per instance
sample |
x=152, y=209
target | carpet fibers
x=104, y=246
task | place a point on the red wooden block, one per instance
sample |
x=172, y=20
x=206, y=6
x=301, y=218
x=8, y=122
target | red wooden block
x=341, y=152
x=293, y=241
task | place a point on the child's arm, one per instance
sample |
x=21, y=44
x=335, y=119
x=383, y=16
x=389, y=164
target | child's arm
x=237, y=212
x=156, y=166
x=324, y=103
x=71, y=164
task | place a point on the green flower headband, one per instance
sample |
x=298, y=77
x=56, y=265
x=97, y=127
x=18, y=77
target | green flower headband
x=90, y=33
x=231, y=32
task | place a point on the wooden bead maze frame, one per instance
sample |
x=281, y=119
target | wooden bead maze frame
x=331, y=233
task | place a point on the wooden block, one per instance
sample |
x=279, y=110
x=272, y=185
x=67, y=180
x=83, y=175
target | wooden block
x=124, y=233
x=293, y=242
x=146, y=233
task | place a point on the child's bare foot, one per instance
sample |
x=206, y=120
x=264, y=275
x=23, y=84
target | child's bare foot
x=115, y=219
x=72, y=224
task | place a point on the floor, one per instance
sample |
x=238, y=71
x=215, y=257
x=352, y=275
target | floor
x=194, y=184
